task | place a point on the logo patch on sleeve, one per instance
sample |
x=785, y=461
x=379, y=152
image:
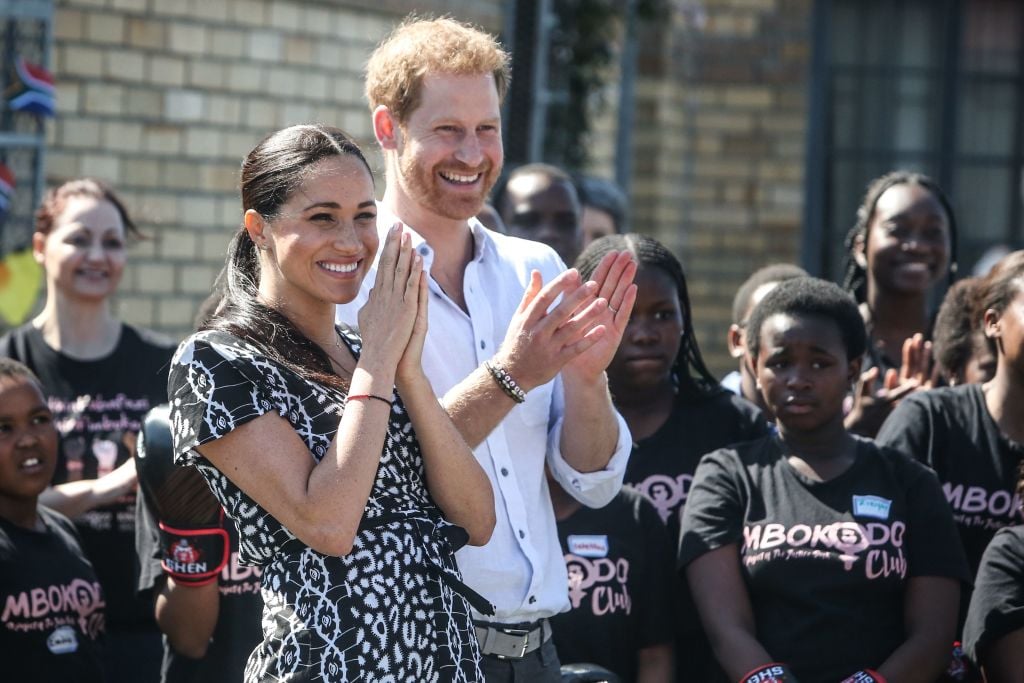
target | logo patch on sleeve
x=871, y=506
x=588, y=546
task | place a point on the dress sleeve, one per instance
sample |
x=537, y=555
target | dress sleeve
x=908, y=430
x=713, y=516
x=932, y=540
x=997, y=604
x=215, y=386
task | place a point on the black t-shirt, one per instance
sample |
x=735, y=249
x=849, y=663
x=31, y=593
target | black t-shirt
x=98, y=407
x=661, y=466
x=620, y=584
x=951, y=431
x=825, y=563
x=237, y=632
x=52, y=622
x=997, y=605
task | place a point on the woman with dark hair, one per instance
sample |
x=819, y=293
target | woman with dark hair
x=100, y=376
x=676, y=411
x=972, y=435
x=352, y=498
x=901, y=248
x=813, y=554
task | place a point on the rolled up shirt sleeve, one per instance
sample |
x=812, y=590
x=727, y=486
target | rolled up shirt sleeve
x=593, y=489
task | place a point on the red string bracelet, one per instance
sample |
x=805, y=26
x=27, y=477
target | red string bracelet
x=355, y=397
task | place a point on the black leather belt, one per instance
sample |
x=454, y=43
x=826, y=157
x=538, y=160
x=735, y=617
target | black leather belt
x=511, y=641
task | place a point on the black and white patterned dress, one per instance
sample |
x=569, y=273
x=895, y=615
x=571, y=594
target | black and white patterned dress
x=391, y=610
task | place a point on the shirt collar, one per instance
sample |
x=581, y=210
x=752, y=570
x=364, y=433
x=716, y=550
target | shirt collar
x=483, y=239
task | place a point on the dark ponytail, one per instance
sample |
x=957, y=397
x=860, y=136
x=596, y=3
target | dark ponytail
x=271, y=173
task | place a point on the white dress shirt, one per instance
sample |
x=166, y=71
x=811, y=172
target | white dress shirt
x=521, y=570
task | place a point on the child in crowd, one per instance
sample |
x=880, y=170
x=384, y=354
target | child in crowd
x=994, y=632
x=972, y=435
x=753, y=289
x=675, y=408
x=813, y=554
x=901, y=248
x=963, y=355
x=100, y=377
x=620, y=586
x=53, y=605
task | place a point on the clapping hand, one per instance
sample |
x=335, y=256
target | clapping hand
x=614, y=277
x=582, y=331
x=871, y=406
x=392, y=311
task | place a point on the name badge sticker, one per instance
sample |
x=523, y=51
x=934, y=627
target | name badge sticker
x=588, y=546
x=871, y=506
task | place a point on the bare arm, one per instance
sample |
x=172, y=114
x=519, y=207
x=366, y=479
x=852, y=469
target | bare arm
x=1003, y=660
x=455, y=479
x=74, y=498
x=930, y=606
x=724, y=606
x=187, y=615
x=654, y=664
x=590, y=430
x=322, y=502
x=536, y=347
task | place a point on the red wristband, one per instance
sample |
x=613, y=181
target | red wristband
x=375, y=397
x=774, y=672
x=865, y=676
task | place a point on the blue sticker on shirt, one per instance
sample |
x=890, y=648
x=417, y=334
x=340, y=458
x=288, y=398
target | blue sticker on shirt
x=871, y=506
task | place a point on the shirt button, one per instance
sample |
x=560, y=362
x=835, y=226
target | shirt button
x=504, y=471
x=533, y=599
x=483, y=344
x=522, y=534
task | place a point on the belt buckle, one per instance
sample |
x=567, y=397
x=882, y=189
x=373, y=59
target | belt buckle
x=524, y=634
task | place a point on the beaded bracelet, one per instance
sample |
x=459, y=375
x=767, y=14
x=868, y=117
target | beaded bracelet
x=505, y=381
x=354, y=397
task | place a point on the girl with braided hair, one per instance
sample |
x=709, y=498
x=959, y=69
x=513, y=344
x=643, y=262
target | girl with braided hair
x=901, y=248
x=676, y=411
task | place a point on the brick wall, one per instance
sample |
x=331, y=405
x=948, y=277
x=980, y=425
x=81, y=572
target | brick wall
x=719, y=146
x=163, y=98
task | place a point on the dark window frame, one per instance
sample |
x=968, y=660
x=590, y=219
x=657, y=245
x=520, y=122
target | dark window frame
x=821, y=230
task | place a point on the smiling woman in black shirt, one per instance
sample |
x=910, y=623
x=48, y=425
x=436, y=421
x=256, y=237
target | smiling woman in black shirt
x=813, y=554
